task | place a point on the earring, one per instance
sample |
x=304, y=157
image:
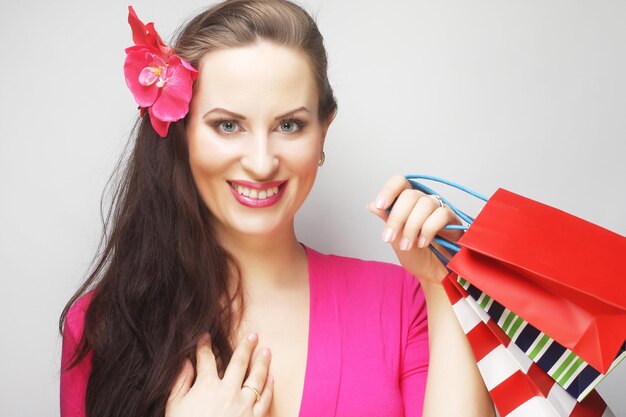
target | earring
x=322, y=159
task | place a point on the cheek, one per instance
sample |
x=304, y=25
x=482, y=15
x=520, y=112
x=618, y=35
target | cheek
x=303, y=158
x=207, y=171
x=207, y=156
x=202, y=164
x=208, y=163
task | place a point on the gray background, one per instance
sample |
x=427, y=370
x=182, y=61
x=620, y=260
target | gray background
x=526, y=95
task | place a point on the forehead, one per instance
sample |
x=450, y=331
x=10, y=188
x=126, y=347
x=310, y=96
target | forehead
x=262, y=77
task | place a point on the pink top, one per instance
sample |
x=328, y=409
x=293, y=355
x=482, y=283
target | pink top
x=368, y=342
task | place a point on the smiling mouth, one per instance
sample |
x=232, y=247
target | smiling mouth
x=255, y=193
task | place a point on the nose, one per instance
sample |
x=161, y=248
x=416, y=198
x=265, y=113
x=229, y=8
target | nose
x=260, y=160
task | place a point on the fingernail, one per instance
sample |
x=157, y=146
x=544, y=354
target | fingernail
x=404, y=244
x=387, y=234
x=266, y=352
x=252, y=337
x=380, y=203
x=421, y=242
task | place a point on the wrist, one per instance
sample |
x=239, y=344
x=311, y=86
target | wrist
x=432, y=285
x=435, y=275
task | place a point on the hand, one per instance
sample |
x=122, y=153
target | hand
x=411, y=226
x=211, y=396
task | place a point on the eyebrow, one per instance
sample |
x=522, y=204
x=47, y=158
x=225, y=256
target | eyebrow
x=239, y=116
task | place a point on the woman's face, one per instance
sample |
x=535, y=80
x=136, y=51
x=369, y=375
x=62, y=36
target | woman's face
x=254, y=137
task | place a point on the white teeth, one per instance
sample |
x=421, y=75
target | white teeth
x=253, y=193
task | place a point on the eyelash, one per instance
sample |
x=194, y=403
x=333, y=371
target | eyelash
x=299, y=123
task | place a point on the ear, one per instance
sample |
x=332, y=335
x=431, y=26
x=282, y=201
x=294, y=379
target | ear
x=326, y=125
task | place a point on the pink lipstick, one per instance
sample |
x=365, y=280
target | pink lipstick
x=259, y=195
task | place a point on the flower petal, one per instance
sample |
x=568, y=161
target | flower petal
x=173, y=103
x=146, y=35
x=136, y=60
x=159, y=126
x=137, y=26
x=148, y=76
x=186, y=64
x=154, y=41
x=156, y=71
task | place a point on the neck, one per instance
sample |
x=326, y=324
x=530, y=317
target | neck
x=268, y=261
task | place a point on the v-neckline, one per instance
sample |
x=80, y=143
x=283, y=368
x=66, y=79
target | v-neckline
x=323, y=364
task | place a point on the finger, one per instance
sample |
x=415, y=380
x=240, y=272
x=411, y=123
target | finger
x=183, y=382
x=423, y=208
x=258, y=374
x=205, y=359
x=433, y=225
x=236, y=370
x=451, y=234
x=399, y=214
x=392, y=188
x=381, y=214
x=262, y=407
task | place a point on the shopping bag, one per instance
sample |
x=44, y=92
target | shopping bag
x=518, y=387
x=566, y=368
x=518, y=250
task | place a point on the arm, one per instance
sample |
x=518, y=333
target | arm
x=74, y=380
x=415, y=360
x=454, y=386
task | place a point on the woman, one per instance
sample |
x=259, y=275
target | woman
x=203, y=302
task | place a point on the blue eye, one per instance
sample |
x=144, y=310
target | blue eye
x=287, y=126
x=291, y=125
x=227, y=126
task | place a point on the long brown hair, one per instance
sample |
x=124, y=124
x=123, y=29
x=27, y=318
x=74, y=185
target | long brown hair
x=161, y=279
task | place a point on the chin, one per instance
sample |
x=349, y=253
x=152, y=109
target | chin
x=259, y=226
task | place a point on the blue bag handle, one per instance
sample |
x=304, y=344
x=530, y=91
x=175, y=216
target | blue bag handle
x=451, y=247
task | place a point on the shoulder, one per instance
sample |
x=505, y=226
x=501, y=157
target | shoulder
x=75, y=317
x=74, y=376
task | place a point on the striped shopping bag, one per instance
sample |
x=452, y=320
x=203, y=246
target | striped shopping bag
x=575, y=375
x=518, y=387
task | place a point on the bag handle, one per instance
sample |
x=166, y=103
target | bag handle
x=451, y=247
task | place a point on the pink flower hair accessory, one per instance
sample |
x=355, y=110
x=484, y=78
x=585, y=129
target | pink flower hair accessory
x=160, y=80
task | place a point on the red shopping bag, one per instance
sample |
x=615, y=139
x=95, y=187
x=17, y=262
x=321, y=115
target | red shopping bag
x=553, y=269
x=518, y=387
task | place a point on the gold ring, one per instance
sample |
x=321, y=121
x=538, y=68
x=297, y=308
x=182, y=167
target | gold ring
x=256, y=392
